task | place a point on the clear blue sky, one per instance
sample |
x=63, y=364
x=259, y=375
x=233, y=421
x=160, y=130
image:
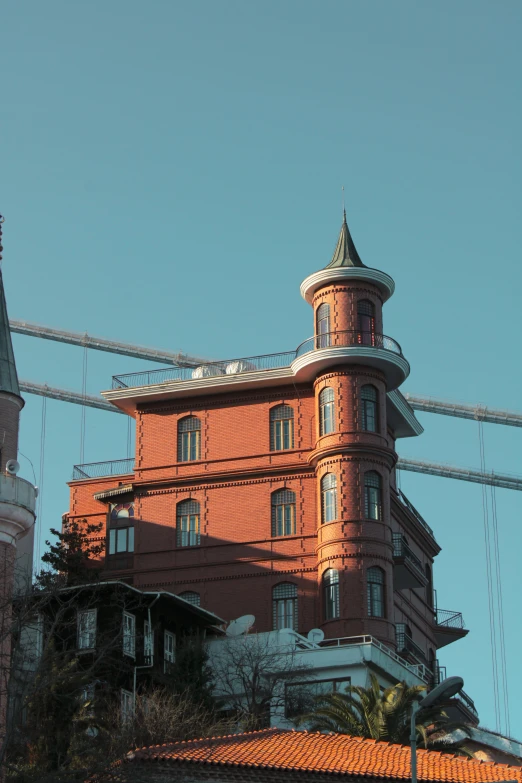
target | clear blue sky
x=171, y=171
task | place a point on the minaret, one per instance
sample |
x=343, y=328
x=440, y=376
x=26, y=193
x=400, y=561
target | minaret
x=17, y=496
x=354, y=365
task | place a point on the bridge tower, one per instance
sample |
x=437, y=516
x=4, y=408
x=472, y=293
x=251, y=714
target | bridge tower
x=354, y=455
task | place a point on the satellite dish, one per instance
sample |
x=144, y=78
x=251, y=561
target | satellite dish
x=315, y=635
x=12, y=467
x=241, y=625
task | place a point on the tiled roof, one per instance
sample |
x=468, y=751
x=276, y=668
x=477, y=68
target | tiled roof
x=336, y=753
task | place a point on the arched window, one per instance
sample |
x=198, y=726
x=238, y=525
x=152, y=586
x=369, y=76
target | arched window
x=284, y=600
x=375, y=591
x=187, y=523
x=366, y=321
x=323, y=325
x=326, y=411
x=372, y=495
x=192, y=598
x=281, y=428
x=402, y=636
x=429, y=586
x=329, y=498
x=189, y=439
x=331, y=594
x=283, y=513
x=369, y=411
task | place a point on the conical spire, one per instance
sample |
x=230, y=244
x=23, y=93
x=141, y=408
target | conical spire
x=345, y=253
x=8, y=375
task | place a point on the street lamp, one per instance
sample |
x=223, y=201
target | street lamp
x=444, y=691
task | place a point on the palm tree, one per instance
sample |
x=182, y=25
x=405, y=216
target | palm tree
x=381, y=715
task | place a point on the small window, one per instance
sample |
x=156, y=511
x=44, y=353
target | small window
x=429, y=586
x=331, y=594
x=366, y=322
x=283, y=513
x=369, y=398
x=192, y=598
x=127, y=706
x=323, y=325
x=121, y=539
x=129, y=634
x=189, y=439
x=169, y=650
x=281, y=428
x=375, y=590
x=284, y=600
x=326, y=411
x=328, y=498
x=187, y=523
x=122, y=511
x=148, y=641
x=372, y=495
x=86, y=624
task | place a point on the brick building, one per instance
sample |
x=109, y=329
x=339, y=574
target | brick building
x=267, y=485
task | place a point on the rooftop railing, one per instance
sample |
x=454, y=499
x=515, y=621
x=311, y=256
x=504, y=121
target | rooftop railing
x=270, y=361
x=418, y=669
x=116, y=467
x=447, y=618
x=406, y=644
x=409, y=505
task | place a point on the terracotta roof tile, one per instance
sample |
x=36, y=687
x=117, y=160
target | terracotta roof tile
x=336, y=753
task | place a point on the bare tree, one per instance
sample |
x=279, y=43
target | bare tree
x=252, y=673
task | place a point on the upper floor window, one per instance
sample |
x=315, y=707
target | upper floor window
x=283, y=513
x=187, y=523
x=127, y=706
x=331, y=594
x=369, y=399
x=148, y=640
x=366, y=321
x=121, y=539
x=169, y=649
x=375, y=591
x=329, y=498
x=129, y=634
x=402, y=635
x=122, y=511
x=429, y=586
x=372, y=495
x=323, y=325
x=191, y=597
x=281, y=428
x=189, y=439
x=86, y=629
x=326, y=411
x=284, y=600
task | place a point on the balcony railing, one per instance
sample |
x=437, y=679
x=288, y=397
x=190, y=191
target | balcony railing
x=270, y=361
x=402, y=550
x=405, y=644
x=116, y=467
x=409, y=505
x=447, y=618
x=468, y=702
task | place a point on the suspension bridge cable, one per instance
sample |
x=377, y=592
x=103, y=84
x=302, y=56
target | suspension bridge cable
x=491, y=607
x=84, y=407
x=500, y=613
x=39, y=508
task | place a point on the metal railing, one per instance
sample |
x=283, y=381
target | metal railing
x=346, y=338
x=401, y=549
x=270, y=361
x=406, y=644
x=418, y=669
x=468, y=702
x=409, y=505
x=116, y=467
x=447, y=618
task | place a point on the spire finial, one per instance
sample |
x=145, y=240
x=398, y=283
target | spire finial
x=344, y=206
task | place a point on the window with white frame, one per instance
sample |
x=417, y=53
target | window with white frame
x=369, y=418
x=121, y=539
x=187, y=523
x=148, y=640
x=326, y=411
x=284, y=604
x=87, y=629
x=375, y=591
x=169, y=649
x=331, y=594
x=281, y=428
x=127, y=706
x=283, y=512
x=372, y=495
x=129, y=634
x=189, y=439
x=328, y=498
x=323, y=325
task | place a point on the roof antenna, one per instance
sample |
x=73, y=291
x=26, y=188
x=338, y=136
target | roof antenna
x=2, y=219
x=344, y=206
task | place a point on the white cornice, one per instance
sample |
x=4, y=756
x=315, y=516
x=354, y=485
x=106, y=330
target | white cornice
x=325, y=276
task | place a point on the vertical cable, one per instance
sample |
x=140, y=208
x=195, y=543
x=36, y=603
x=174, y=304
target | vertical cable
x=491, y=607
x=84, y=406
x=39, y=508
x=500, y=612
x=129, y=437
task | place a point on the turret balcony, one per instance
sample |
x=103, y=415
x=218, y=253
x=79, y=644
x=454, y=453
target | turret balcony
x=449, y=627
x=408, y=572
x=17, y=507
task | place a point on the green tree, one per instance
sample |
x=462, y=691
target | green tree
x=71, y=557
x=381, y=715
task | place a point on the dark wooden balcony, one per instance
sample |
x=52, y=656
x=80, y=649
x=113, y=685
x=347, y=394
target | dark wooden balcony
x=408, y=572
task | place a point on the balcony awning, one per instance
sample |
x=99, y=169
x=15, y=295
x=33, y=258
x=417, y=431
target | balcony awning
x=114, y=492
